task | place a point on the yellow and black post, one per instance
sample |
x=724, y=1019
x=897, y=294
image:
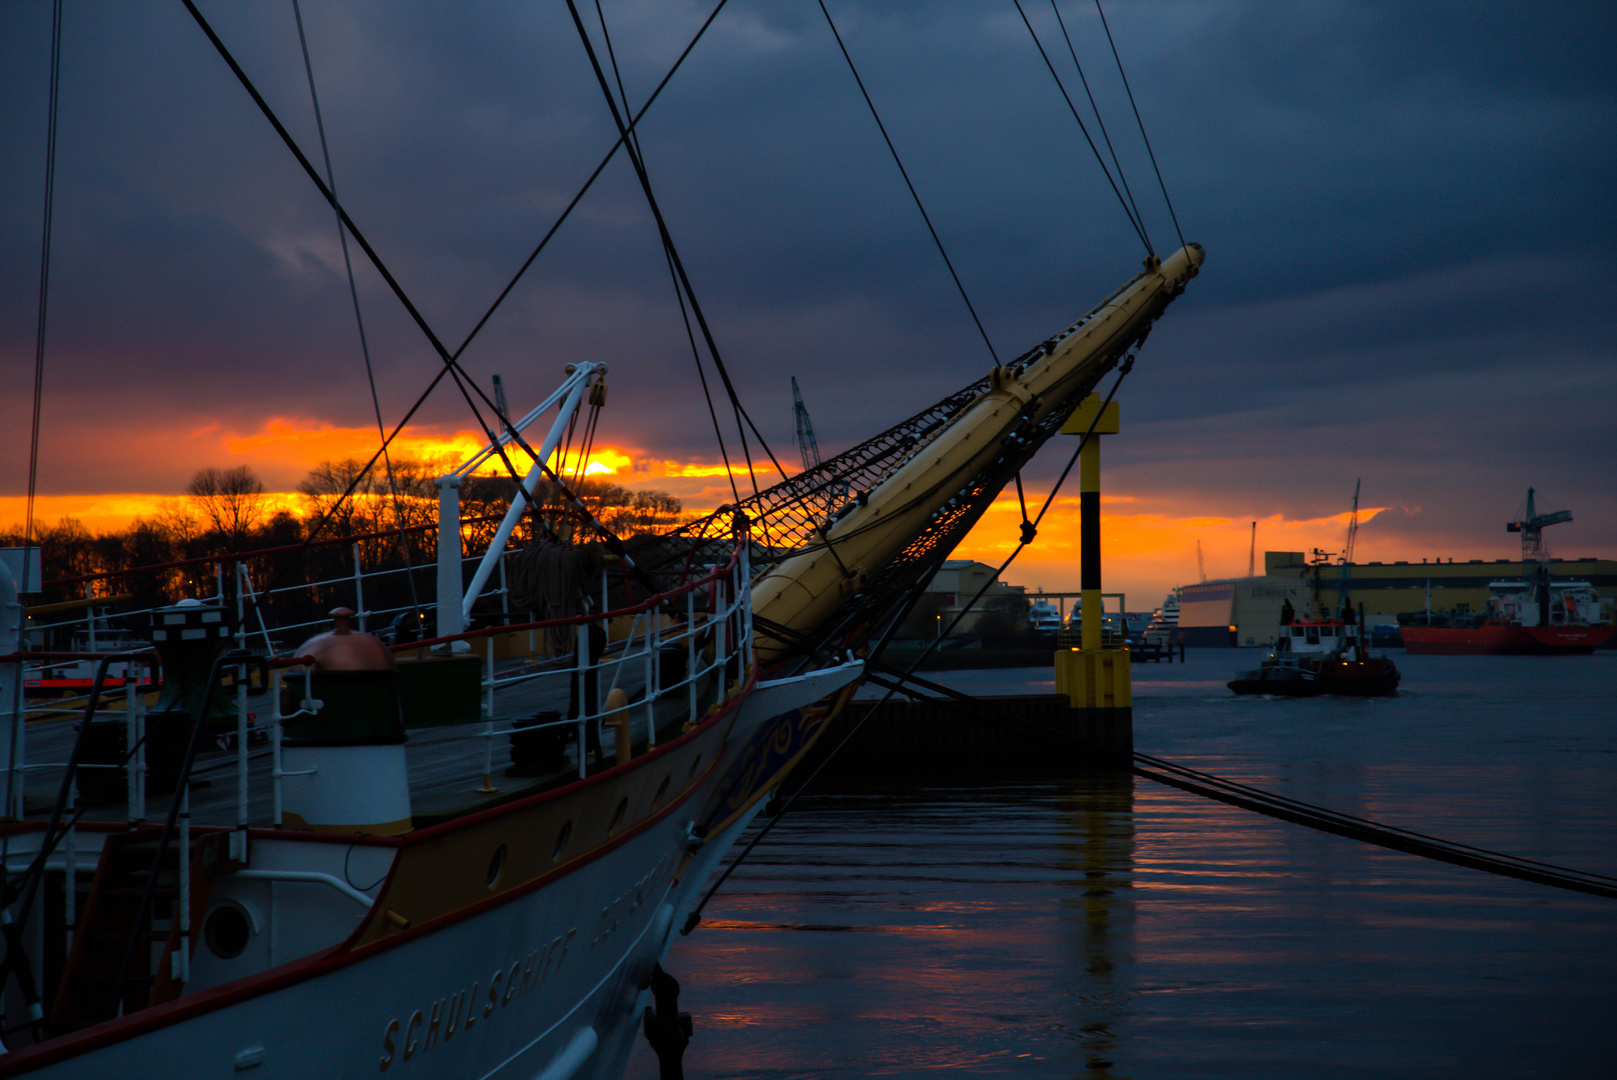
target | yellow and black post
x=1094, y=678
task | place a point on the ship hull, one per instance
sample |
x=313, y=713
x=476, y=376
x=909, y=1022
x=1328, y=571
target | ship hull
x=548, y=981
x=1504, y=640
x=1375, y=677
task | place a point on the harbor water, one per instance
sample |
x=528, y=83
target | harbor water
x=1105, y=926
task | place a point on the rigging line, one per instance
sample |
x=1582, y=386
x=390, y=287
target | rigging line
x=359, y=238
x=451, y=364
x=695, y=916
x=588, y=183
x=673, y=276
x=672, y=254
x=1139, y=226
x=44, y=285
x=910, y=671
x=1099, y=119
x=359, y=319
x=679, y=264
x=39, y=396
x=1257, y=800
x=701, y=374
x=1146, y=139
x=314, y=531
x=1197, y=775
x=1123, y=370
x=905, y=173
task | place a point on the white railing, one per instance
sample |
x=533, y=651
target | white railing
x=706, y=622
x=713, y=610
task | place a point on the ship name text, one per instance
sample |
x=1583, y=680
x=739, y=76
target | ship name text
x=403, y=1040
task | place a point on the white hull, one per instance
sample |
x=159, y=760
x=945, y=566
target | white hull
x=549, y=983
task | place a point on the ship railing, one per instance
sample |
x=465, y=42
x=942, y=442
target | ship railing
x=91, y=623
x=132, y=709
x=706, y=622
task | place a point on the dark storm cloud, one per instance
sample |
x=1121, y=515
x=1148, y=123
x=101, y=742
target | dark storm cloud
x=1405, y=206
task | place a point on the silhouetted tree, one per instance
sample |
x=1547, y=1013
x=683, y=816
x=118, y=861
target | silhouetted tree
x=231, y=500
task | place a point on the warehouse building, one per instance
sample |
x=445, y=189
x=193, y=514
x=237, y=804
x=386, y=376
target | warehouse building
x=1247, y=611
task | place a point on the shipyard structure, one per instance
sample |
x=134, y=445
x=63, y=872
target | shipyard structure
x=1247, y=611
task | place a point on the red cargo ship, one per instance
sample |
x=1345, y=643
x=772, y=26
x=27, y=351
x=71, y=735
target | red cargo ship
x=1503, y=637
x=1523, y=617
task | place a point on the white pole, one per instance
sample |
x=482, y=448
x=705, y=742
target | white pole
x=359, y=588
x=241, y=704
x=139, y=763
x=450, y=619
x=13, y=621
x=131, y=779
x=525, y=491
x=183, y=954
x=581, y=649
x=690, y=650
x=488, y=787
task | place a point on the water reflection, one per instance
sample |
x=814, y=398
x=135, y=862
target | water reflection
x=1097, y=849
x=1095, y=927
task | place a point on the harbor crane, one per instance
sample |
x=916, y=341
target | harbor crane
x=805, y=429
x=1531, y=525
x=1347, y=552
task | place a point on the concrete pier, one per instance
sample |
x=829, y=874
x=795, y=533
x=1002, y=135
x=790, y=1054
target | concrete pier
x=937, y=739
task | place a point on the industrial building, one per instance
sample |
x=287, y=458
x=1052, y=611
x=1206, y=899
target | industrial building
x=1247, y=611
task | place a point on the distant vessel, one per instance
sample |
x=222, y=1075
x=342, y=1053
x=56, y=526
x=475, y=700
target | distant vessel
x=1164, y=621
x=1320, y=656
x=1533, y=616
x=1044, y=618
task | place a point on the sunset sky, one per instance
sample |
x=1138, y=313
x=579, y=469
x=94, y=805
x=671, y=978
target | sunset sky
x=1406, y=209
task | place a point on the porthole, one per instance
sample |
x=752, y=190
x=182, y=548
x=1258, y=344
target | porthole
x=697, y=764
x=227, y=930
x=617, y=815
x=562, y=837
x=662, y=789
x=496, y=866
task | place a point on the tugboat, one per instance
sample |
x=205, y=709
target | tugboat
x=1321, y=656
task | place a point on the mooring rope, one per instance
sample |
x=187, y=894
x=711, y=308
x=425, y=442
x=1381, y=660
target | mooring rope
x=1268, y=803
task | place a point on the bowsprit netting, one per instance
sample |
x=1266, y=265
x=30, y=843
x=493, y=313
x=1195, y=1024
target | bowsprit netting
x=790, y=517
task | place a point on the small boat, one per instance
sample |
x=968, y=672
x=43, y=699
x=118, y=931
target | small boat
x=1320, y=656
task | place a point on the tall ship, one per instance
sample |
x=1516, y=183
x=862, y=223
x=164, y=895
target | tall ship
x=462, y=845
x=1535, y=614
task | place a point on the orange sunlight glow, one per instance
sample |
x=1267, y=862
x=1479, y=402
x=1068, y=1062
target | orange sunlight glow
x=1145, y=554
x=109, y=512
x=1147, y=549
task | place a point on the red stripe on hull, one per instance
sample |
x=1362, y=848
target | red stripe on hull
x=1501, y=640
